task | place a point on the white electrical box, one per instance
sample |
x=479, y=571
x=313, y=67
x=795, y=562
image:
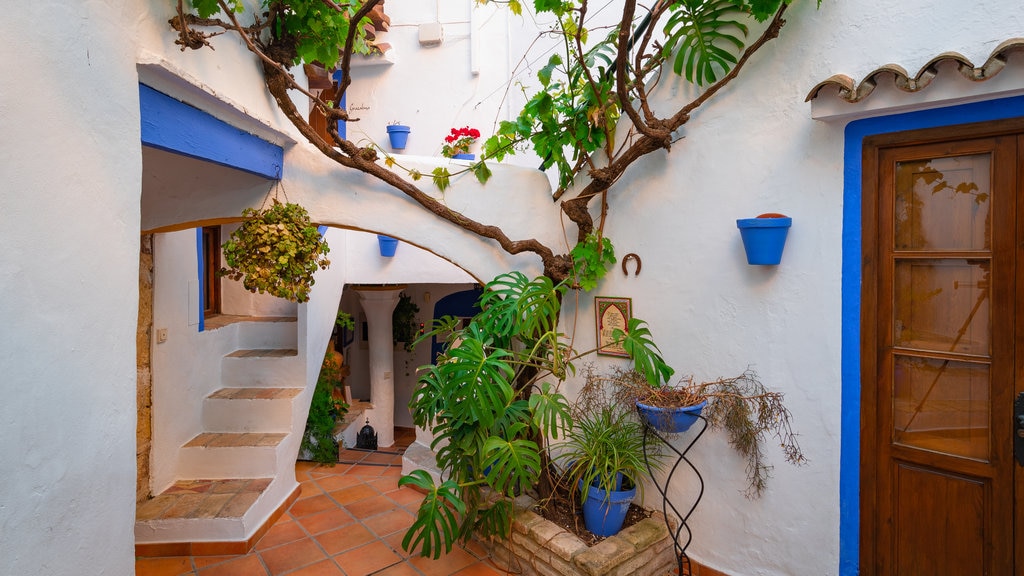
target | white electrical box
x=431, y=34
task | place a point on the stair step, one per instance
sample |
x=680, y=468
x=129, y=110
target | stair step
x=221, y=320
x=255, y=393
x=198, y=499
x=235, y=440
x=264, y=353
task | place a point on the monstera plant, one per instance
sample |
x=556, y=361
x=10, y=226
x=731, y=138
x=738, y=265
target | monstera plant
x=494, y=404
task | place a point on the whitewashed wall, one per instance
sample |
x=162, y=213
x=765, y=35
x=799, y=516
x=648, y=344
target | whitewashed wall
x=69, y=219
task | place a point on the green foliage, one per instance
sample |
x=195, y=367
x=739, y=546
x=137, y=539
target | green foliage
x=344, y=320
x=207, y=8
x=403, y=322
x=606, y=440
x=591, y=259
x=317, y=29
x=492, y=402
x=276, y=250
x=638, y=342
x=324, y=412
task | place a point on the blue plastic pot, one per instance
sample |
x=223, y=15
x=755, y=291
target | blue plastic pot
x=388, y=245
x=671, y=420
x=764, y=239
x=464, y=156
x=399, y=136
x=604, y=512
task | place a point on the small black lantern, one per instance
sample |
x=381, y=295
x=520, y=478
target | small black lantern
x=367, y=438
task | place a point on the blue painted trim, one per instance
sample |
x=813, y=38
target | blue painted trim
x=321, y=230
x=856, y=132
x=201, y=257
x=342, y=125
x=174, y=126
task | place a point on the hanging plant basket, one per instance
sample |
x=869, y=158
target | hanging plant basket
x=764, y=238
x=670, y=420
x=276, y=250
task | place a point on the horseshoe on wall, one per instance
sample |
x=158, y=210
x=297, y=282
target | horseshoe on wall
x=626, y=259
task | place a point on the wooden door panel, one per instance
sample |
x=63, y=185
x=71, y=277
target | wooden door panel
x=927, y=540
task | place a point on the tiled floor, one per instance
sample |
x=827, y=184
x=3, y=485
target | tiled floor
x=348, y=521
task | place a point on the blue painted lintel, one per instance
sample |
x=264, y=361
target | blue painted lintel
x=174, y=126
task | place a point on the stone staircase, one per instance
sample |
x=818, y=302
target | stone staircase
x=236, y=475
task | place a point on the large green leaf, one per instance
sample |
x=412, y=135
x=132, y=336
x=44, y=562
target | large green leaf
x=436, y=527
x=705, y=36
x=639, y=344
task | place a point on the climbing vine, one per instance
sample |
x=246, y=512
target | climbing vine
x=591, y=115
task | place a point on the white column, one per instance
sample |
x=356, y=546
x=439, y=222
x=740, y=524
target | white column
x=379, y=304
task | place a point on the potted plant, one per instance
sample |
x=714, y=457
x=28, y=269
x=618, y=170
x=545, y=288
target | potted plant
x=398, y=134
x=276, y=250
x=764, y=237
x=403, y=322
x=604, y=456
x=747, y=411
x=457, y=143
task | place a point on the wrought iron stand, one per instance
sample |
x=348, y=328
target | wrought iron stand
x=681, y=556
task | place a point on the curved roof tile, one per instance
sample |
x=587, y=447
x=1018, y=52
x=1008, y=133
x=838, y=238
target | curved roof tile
x=852, y=91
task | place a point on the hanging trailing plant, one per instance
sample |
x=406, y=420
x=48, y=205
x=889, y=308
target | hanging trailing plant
x=276, y=250
x=403, y=322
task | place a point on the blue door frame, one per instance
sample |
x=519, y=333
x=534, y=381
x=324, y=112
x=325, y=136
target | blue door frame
x=856, y=132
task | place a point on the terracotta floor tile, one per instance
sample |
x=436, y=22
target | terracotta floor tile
x=362, y=470
x=395, y=542
x=172, y=566
x=238, y=505
x=446, y=565
x=385, y=484
x=308, y=489
x=354, y=493
x=325, y=568
x=480, y=568
x=402, y=569
x=390, y=522
x=281, y=533
x=367, y=559
x=324, y=521
x=332, y=483
x=311, y=506
x=391, y=471
x=291, y=556
x=241, y=566
x=371, y=507
x=407, y=497
x=343, y=539
x=207, y=561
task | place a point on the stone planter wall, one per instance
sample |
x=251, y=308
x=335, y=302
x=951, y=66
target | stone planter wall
x=542, y=548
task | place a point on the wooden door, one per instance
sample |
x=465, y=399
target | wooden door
x=941, y=361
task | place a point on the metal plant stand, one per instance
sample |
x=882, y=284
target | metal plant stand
x=680, y=549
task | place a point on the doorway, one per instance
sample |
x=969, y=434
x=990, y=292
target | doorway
x=942, y=341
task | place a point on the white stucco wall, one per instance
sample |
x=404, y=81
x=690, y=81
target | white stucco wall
x=70, y=215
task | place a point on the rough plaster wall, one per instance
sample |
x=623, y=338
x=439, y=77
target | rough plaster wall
x=69, y=224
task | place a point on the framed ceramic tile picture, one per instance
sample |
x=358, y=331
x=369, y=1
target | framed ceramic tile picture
x=611, y=313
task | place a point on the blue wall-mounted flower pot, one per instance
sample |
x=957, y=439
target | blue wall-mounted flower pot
x=388, y=245
x=399, y=136
x=464, y=156
x=764, y=238
x=670, y=419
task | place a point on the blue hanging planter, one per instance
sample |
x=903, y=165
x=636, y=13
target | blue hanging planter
x=398, y=134
x=764, y=238
x=464, y=156
x=388, y=245
x=670, y=419
x=604, y=512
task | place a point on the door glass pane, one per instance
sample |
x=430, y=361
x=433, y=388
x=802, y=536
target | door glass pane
x=943, y=203
x=942, y=305
x=942, y=406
